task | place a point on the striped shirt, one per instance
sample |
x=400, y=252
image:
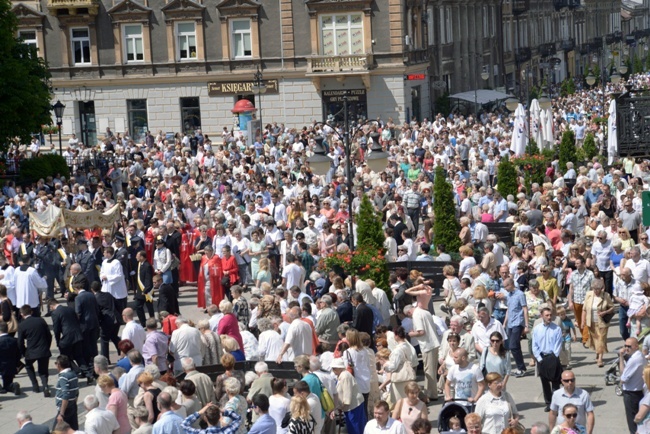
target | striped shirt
x=67, y=387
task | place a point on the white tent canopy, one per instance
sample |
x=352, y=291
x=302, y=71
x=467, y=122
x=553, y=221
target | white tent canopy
x=482, y=96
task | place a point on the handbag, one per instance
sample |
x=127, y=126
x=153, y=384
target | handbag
x=607, y=317
x=175, y=262
x=326, y=400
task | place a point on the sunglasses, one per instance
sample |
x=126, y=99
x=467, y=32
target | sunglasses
x=569, y=380
x=571, y=415
x=495, y=340
x=628, y=346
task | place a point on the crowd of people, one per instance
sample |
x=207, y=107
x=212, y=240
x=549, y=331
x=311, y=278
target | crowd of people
x=245, y=225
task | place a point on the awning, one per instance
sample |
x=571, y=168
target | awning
x=482, y=96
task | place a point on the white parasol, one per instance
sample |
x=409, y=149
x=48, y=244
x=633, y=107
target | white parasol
x=520, y=134
x=536, y=126
x=612, y=136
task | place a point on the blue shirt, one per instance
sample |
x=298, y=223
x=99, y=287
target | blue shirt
x=516, y=301
x=264, y=425
x=547, y=339
x=230, y=429
x=169, y=423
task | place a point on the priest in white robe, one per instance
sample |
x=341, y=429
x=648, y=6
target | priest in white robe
x=29, y=285
x=112, y=278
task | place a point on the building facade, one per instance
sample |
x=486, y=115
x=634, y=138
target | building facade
x=179, y=65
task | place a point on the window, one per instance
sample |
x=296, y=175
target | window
x=241, y=38
x=81, y=46
x=191, y=114
x=29, y=38
x=446, y=30
x=342, y=35
x=137, y=112
x=133, y=43
x=186, y=33
x=486, y=22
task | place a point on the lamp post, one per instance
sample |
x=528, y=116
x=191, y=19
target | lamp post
x=58, y=113
x=484, y=75
x=320, y=163
x=259, y=88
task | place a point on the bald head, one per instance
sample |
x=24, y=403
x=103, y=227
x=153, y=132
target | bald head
x=128, y=314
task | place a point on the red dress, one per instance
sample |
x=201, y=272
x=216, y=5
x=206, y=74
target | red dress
x=7, y=249
x=149, y=244
x=214, y=272
x=186, y=272
x=229, y=326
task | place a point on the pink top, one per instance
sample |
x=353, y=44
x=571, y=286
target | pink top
x=486, y=217
x=118, y=403
x=229, y=326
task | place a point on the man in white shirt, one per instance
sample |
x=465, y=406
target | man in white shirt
x=483, y=328
x=215, y=317
x=298, y=338
x=426, y=333
x=111, y=275
x=383, y=423
x=133, y=331
x=631, y=379
x=292, y=273
x=185, y=342
x=99, y=421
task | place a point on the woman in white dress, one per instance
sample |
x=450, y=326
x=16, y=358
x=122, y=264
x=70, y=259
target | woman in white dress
x=279, y=403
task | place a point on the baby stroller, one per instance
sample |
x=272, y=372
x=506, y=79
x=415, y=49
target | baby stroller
x=459, y=408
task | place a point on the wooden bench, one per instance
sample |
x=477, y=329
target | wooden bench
x=503, y=231
x=284, y=370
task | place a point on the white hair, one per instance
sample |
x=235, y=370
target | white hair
x=232, y=386
x=261, y=367
x=90, y=402
x=188, y=364
x=23, y=415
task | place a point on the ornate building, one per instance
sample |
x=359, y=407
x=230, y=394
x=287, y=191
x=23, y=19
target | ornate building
x=177, y=65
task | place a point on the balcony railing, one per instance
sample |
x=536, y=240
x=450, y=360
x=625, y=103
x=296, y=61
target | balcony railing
x=568, y=44
x=546, y=50
x=91, y=5
x=352, y=63
x=520, y=6
x=571, y=4
x=418, y=56
x=523, y=54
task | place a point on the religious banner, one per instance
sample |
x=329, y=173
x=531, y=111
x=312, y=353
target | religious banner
x=50, y=222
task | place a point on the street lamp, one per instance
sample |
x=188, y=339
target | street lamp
x=512, y=104
x=623, y=68
x=320, y=163
x=485, y=75
x=590, y=79
x=259, y=88
x=58, y=113
x=616, y=77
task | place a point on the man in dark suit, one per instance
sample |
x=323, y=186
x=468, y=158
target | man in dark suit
x=9, y=360
x=27, y=247
x=136, y=245
x=26, y=425
x=87, y=311
x=167, y=300
x=144, y=287
x=98, y=254
x=86, y=261
x=345, y=310
x=49, y=265
x=363, y=316
x=108, y=315
x=398, y=227
x=77, y=279
x=35, y=331
x=68, y=337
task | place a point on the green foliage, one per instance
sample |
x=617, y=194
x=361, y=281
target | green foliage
x=568, y=87
x=364, y=263
x=369, y=231
x=33, y=169
x=567, y=149
x=508, y=179
x=647, y=63
x=446, y=227
x=638, y=65
x=533, y=168
x=535, y=93
x=443, y=104
x=531, y=147
x=24, y=88
x=589, y=147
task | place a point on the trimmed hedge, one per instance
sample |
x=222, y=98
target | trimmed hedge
x=33, y=169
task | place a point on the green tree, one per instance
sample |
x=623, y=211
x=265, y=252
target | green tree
x=446, y=226
x=567, y=149
x=24, y=87
x=369, y=230
x=443, y=104
x=531, y=147
x=589, y=146
x=508, y=182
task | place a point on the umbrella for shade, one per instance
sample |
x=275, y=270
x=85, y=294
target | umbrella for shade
x=520, y=135
x=612, y=136
x=548, y=129
x=536, y=127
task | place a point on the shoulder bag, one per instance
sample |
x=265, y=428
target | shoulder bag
x=326, y=400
